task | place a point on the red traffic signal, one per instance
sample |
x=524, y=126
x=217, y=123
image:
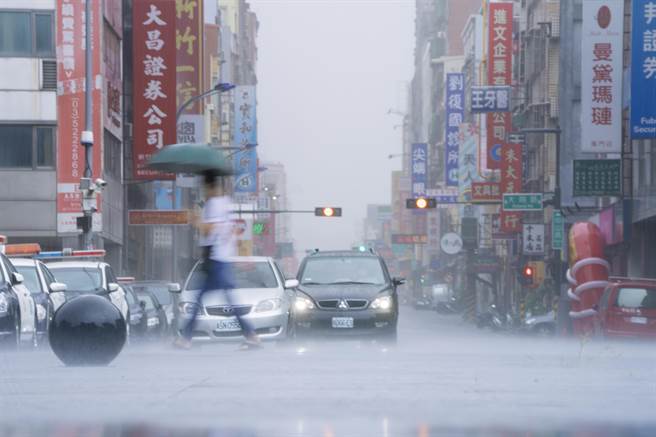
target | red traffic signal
x=528, y=271
x=421, y=203
x=527, y=276
x=328, y=211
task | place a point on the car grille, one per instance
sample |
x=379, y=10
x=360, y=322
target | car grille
x=228, y=310
x=353, y=304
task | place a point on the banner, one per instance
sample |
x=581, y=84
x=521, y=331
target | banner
x=455, y=114
x=643, y=70
x=467, y=163
x=154, y=83
x=418, y=169
x=71, y=108
x=486, y=192
x=499, y=72
x=245, y=134
x=533, y=239
x=189, y=52
x=601, y=76
x=511, y=182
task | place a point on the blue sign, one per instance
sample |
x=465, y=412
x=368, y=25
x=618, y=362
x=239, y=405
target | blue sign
x=419, y=163
x=455, y=114
x=245, y=134
x=643, y=70
x=164, y=195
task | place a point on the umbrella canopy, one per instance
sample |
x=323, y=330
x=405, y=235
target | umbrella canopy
x=190, y=158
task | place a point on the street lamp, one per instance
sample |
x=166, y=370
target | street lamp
x=220, y=87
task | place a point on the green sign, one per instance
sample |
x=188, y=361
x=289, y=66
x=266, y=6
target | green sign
x=258, y=228
x=522, y=202
x=557, y=230
x=597, y=177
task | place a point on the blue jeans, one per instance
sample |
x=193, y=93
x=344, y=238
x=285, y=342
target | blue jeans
x=218, y=277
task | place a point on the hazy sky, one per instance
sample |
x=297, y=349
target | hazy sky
x=328, y=73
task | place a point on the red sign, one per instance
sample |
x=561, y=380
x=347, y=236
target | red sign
x=189, y=53
x=155, y=217
x=486, y=192
x=154, y=82
x=511, y=182
x=70, y=107
x=499, y=72
x=409, y=238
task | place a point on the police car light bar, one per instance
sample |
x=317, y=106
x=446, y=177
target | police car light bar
x=69, y=253
x=25, y=249
x=125, y=279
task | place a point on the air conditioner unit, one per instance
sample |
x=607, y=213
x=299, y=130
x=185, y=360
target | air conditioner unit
x=48, y=74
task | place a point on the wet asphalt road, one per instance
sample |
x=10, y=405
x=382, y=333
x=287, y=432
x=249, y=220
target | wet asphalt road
x=443, y=376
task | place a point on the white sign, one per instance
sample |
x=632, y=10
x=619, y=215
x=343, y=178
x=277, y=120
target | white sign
x=451, y=243
x=191, y=129
x=601, y=76
x=533, y=239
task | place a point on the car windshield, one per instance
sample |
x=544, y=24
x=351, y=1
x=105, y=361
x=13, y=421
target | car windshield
x=150, y=305
x=31, y=279
x=161, y=291
x=347, y=269
x=79, y=279
x=245, y=274
x=637, y=298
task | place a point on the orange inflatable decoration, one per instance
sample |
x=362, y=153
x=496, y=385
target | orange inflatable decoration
x=587, y=275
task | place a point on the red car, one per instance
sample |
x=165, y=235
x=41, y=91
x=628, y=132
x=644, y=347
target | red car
x=628, y=309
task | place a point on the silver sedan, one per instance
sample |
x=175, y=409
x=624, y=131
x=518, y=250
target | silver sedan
x=261, y=296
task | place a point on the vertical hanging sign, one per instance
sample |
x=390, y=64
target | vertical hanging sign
x=71, y=45
x=643, y=69
x=601, y=76
x=418, y=162
x=245, y=134
x=154, y=82
x=511, y=182
x=455, y=112
x=499, y=72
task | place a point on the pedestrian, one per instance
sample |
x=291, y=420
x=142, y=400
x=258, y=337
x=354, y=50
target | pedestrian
x=217, y=241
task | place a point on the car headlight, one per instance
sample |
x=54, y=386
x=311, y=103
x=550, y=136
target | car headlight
x=4, y=305
x=303, y=304
x=530, y=321
x=188, y=307
x=268, y=305
x=41, y=312
x=383, y=303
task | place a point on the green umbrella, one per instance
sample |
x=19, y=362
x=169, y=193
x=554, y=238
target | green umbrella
x=190, y=158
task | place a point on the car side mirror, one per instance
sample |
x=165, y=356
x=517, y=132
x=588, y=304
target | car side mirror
x=398, y=281
x=17, y=278
x=291, y=283
x=112, y=287
x=174, y=287
x=57, y=287
x=595, y=307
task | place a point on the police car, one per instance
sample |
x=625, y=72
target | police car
x=84, y=273
x=18, y=319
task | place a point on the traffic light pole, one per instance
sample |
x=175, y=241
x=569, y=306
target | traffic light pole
x=88, y=194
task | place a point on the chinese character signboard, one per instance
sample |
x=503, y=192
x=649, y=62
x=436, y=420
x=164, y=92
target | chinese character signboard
x=522, y=202
x=455, y=112
x=70, y=109
x=643, y=69
x=601, y=76
x=154, y=82
x=511, y=182
x=557, y=230
x=597, y=177
x=245, y=134
x=486, y=192
x=490, y=99
x=467, y=164
x=444, y=197
x=499, y=72
x=409, y=238
x=533, y=239
x=418, y=162
x=189, y=53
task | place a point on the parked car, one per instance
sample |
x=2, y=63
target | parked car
x=346, y=293
x=48, y=294
x=166, y=294
x=261, y=295
x=154, y=315
x=137, y=313
x=18, y=318
x=627, y=309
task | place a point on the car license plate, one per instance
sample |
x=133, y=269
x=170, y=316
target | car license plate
x=342, y=322
x=639, y=320
x=228, y=325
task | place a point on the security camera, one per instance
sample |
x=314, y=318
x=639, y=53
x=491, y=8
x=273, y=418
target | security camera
x=101, y=183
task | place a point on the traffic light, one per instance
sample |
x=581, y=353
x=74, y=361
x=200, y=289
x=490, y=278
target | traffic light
x=328, y=211
x=528, y=274
x=421, y=203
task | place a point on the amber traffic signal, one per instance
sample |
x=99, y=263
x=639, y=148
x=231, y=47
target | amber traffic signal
x=421, y=203
x=328, y=211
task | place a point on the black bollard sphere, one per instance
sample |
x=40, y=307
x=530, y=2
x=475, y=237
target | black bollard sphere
x=87, y=331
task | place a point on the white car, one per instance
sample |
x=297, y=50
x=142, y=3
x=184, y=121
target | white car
x=90, y=277
x=261, y=296
x=28, y=319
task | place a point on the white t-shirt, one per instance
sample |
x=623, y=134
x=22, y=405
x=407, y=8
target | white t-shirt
x=222, y=237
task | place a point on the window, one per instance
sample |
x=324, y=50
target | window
x=31, y=278
x=26, y=146
x=244, y=275
x=112, y=158
x=25, y=33
x=83, y=280
x=345, y=270
x=637, y=298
